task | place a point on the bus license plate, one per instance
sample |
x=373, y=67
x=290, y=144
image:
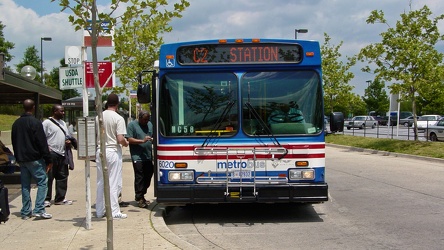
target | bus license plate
x=241, y=174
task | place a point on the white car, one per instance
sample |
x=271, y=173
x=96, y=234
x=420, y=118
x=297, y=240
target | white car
x=361, y=122
x=435, y=132
x=426, y=121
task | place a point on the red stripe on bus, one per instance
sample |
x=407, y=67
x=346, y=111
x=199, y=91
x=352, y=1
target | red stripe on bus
x=231, y=157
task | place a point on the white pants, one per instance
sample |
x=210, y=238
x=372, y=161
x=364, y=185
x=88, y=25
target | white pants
x=114, y=164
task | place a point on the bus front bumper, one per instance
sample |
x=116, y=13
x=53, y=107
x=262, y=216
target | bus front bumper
x=189, y=194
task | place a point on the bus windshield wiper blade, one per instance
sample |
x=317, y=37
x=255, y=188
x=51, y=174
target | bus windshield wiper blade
x=265, y=127
x=218, y=122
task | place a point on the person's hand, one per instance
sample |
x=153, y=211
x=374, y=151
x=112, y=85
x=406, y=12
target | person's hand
x=48, y=167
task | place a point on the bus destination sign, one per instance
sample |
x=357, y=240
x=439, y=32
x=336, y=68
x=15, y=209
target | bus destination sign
x=239, y=53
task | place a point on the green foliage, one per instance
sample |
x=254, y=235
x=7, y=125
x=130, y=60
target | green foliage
x=31, y=58
x=336, y=76
x=136, y=34
x=137, y=40
x=5, y=46
x=407, y=57
x=428, y=149
x=376, y=98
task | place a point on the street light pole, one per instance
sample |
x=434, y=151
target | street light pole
x=41, y=55
x=296, y=31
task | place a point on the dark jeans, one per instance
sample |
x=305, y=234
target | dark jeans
x=59, y=172
x=143, y=172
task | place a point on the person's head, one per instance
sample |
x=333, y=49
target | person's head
x=144, y=117
x=58, y=111
x=29, y=106
x=112, y=100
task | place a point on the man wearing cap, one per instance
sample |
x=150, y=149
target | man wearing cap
x=115, y=130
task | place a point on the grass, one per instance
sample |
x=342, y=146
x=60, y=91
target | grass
x=6, y=122
x=422, y=148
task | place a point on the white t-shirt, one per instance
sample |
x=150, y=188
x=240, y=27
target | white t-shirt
x=114, y=125
x=54, y=135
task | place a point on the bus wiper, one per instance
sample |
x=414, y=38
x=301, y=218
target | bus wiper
x=265, y=127
x=218, y=122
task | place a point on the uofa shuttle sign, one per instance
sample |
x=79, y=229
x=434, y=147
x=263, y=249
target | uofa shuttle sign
x=71, y=77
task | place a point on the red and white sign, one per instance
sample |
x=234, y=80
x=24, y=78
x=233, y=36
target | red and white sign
x=106, y=69
x=105, y=39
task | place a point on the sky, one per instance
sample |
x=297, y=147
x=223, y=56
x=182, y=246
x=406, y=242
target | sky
x=344, y=21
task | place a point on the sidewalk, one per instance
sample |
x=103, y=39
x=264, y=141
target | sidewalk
x=143, y=229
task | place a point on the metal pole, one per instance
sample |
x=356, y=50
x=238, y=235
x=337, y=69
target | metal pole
x=41, y=55
x=41, y=59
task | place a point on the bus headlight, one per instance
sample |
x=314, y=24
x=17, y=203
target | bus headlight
x=180, y=176
x=299, y=174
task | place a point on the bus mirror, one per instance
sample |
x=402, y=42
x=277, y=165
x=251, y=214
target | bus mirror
x=336, y=122
x=143, y=93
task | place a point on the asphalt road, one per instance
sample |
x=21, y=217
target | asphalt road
x=376, y=202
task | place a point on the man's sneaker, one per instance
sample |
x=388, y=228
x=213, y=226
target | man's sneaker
x=120, y=216
x=43, y=216
x=26, y=217
x=47, y=203
x=143, y=203
x=100, y=215
x=123, y=204
x=64, y=202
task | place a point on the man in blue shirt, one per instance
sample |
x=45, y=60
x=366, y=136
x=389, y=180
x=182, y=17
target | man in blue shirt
x=139, y=134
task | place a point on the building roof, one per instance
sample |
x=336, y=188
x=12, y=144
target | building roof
x=14, y=89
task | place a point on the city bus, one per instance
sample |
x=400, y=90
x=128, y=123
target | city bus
x=238, y=120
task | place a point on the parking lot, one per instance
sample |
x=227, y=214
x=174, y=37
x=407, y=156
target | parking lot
x=393, y=132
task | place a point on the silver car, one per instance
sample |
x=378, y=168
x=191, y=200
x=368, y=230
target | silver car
x=435, y=132
x=361, y=122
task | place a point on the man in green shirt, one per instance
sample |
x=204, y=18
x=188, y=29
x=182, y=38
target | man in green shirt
x=139, y=134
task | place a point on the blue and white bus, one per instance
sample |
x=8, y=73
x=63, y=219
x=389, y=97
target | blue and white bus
x=239, y=120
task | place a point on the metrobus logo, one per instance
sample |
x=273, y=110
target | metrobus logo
x=239, y=164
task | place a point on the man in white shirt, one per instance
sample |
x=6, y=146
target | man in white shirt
x=115, y=130
x=56, y=135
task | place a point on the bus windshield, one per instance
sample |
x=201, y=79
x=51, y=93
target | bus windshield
x=288, y=102
x=200, y=104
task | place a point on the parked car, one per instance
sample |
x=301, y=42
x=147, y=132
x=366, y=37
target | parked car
x=427, y=121
x=408, y=121
x=435, y=132
x=382, y=120
x=361, y=122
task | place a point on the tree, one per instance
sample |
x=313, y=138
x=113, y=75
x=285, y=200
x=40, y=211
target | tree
x=407, y=56
x=336, y=75
x=5, y=46
x=53, y=81
x=30, y=58
x=376, y=98
x=85, y=15
x=137, y=41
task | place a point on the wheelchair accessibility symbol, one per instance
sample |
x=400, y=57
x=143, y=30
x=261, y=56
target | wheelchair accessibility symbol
x=170, y=63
